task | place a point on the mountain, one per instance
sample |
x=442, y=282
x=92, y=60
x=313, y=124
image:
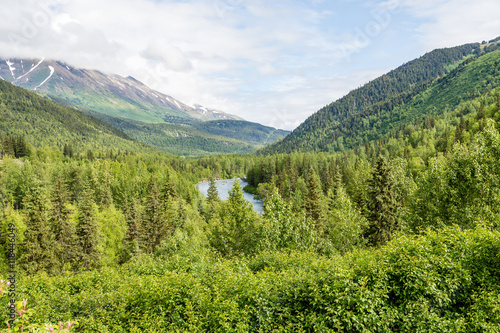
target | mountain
x=182, y=140
x=110, y=94
x=246, y=131
x=367, y=113
x=143, y=113
x=45, y=123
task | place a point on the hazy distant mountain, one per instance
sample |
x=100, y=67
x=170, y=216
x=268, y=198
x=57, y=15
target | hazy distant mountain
x=106, y=93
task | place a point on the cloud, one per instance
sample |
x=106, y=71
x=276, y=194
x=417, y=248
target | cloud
x=254, y=58
x=454, y=22
x=171, y=56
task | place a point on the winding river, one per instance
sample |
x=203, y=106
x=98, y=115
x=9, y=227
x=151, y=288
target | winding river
x=223, y=187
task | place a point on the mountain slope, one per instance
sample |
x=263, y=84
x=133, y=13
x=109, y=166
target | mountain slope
x=182, y=140
x=109, y=94
x=330, y=127
x=252, y=133
x=45, y=123
x=191, y=137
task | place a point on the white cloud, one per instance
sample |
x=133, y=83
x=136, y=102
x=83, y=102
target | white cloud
x=454, y=22
x=254, y=58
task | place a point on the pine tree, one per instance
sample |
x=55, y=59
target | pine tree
x=87, y=231
x=345, y=223
x=212, y=194
x=153, y=223
x=213, y=200
x=38, y=248
x=460, y=129
x=235, y=230
x=382, y=205
x=64, y=230
x=312, y=202
x=169, y=189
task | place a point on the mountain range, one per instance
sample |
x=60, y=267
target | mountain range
x=142, y=113
x=110, y=94
x=421, y=90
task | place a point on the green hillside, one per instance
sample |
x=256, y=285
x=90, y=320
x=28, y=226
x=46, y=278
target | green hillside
x=186, y=137
x=253, y=133
x=45, y=123
x=177, y=139
x=332, y=127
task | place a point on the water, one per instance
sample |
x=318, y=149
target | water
x=223, y=187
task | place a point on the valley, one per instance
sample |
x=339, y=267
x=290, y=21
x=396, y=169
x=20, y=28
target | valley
x=379, y=213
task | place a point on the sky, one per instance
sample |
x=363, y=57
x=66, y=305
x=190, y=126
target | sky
x=275, y=62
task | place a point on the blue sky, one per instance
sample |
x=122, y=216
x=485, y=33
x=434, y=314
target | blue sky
x=273, y=62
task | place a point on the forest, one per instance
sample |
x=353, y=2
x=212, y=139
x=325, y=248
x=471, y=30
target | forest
x=397, y=235
x=392, y=226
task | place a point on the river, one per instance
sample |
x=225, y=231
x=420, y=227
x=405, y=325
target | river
x=223, y=187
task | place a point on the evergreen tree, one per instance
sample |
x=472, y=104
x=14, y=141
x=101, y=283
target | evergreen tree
x=460, y=129
x=312, y=202
x=38, y=248
x=382, y=205
x=344, y=225
x=213, y=200
x=87, y=231
x=212, y=194
x=20, y=147
x=153, y=223
x=64, y=230
x=282, y=228
x=169, y=189
x=235, y=231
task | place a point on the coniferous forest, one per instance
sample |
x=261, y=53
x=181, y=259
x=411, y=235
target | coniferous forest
x=391, y=225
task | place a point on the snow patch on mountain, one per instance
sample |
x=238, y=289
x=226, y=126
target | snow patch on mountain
x=12, y=69
x=51, y=72
x=32, y=68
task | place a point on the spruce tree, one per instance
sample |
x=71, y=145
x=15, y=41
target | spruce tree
x=382, y=205
x=312, y=202
x=87, y=231
x=213, y=200
x=169, y=189
x=235, y=231
x=154, y=229
x=131, y=241
x=64, y=230
x=212, y=194
x=38, y=248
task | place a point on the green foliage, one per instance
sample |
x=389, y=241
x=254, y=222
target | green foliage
x=313, y=199
x=463, y=189
x=344, y=226
x=382, y=205
x=443, y=281
x=88, y=234
x=65, y=243
x=283, y=228
x=49, y=124
x=196, y=138
x=235, y=229
x=38, y=246
x=252, y=133
x=112, y=228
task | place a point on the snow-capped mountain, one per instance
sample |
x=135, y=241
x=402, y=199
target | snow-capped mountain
x=111, y=94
